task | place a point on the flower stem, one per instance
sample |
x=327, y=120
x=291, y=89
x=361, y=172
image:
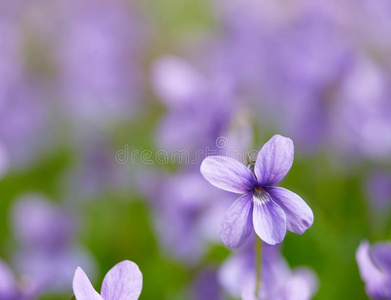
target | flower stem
x=258, y=254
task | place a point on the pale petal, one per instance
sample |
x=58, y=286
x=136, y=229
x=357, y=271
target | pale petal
x=269, y=219
x=248, y=291
x=302, y=284
x=175, y=81
x=82, y=287
x=123, y=282
x=228, y=174
x=8, y=284
x=381, y=255
x=237, y=224
x=299, y=216
x=376, y=282
x=274, y=160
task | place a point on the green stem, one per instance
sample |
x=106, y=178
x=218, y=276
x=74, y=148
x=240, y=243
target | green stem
x=258, y=254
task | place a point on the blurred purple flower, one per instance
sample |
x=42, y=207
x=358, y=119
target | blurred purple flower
x=175, y=80
x=378, y=190
x=237, y=276
x=184, y=200
x=12, y=289
x=48, y=252
x=23, y=126
x=299, y=284
x=375, y=269
x=96, y=171
x=24, y=119
x=289, y=61
x=99, y=49
x=309, y=60
x=123, y=282
x=267, y=209
x=363, y=108
x=8, y=285
x=206, y=285
x=4, y=162
x=186, y=92
x=31, y=216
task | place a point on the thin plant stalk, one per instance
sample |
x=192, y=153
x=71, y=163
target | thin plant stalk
x=258, y=254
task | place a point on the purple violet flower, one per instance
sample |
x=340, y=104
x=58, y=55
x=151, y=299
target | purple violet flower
x=123, y=282
x=375, y=269
x=268, y=209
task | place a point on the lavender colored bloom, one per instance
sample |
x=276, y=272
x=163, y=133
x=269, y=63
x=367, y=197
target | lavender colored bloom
x=24, y=126
x=23, y=115
x=310, y=59
x=4, y=164
x=184, y=200
x=238, y=273
x=175, y=80
x=98, y=59
x=295, y=57
x=375, y=269
x=206, y=286
x=267, y=209
x=363, y=110
x=378, y=190
x=300, y=284
x=31, y=216
x=8, y=285
x=12, y=289
x=187, y=125
x=123, y=282
x=48, y=252
x=96, y=171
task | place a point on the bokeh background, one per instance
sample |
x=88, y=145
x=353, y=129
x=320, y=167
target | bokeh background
x=87, y=86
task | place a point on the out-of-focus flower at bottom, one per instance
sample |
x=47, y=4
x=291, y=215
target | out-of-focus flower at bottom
x=238, y=276
x=123, y=281
x=374, y=264
x=206, y=285
x=300, y=284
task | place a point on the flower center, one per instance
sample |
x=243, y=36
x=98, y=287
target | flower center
x=260, y=195
x=258, y=190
